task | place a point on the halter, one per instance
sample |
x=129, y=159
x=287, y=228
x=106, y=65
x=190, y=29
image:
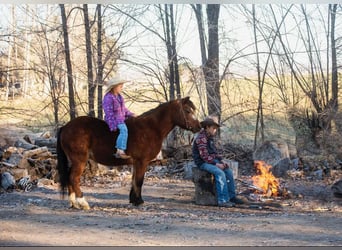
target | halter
x=186, y=121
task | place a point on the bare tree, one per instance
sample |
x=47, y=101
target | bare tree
x=260, y=116
x=100, y=66
x=210, y=63
x=47, y=47
x=91, y=85
x=334, y=72
x=72, y=104
x=169, y=50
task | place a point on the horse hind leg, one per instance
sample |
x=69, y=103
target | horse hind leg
x=72, y=196
x=76, y=198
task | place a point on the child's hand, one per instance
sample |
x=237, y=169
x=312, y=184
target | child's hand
x=220, y=165
x=226, y=164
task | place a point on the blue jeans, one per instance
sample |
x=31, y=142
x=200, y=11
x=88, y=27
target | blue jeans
x=224, y=182
x=121, y=141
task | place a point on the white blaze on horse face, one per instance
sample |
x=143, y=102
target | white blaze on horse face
x=193, y=115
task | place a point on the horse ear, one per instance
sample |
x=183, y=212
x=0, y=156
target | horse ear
x=186, y=99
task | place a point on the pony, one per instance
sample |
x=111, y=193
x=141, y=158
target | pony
x=86, y=137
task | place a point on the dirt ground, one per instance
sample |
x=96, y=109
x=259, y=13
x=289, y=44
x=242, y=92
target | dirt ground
x=169, y=217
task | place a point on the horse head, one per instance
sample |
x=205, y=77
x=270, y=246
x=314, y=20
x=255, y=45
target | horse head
x=186, y=117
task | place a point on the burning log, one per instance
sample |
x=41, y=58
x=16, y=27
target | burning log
x=265, y=179
x=250, y=185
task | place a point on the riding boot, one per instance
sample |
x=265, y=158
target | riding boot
x=121, y=154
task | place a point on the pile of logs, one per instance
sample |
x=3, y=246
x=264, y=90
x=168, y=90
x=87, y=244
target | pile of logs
x=35, y=159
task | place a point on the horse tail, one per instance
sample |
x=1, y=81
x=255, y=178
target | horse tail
x=62, y=164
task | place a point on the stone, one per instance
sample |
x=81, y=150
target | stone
x=7, y=181
x=274, y=153
x=281, y=168
x=271, y=152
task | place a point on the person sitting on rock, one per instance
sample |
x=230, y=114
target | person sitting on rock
x=207, y=158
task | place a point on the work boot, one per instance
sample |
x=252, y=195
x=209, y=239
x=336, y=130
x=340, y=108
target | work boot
x=237, y=200
x=226, y=204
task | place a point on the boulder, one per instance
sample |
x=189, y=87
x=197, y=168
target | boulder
x=281, y=168
x=276, y=154
x=7, y=181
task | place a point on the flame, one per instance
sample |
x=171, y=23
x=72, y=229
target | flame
x=265, y=179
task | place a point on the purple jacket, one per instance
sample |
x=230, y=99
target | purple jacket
x=115, y=110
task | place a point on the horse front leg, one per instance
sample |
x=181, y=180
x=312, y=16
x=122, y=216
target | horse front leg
x=139, y=169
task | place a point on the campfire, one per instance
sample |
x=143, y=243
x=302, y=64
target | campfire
x=264, y=186
x=265, y=180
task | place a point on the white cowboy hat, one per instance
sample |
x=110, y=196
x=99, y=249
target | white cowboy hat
x=113, y=82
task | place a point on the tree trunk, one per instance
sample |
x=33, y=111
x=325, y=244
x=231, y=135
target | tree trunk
x=199, y=17
x=170, y=38
x=174, y=53
x=202, y=37
x=99, y=75
x=260, y=117
x=72, y=105
x=169, y=54
x=211, y=67
x=334, y=73
x=91, y=85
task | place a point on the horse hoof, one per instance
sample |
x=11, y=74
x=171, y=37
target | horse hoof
x=74, y=206
x=86, y=208
x=137, y=203
x=79, y=207
x=82, y=203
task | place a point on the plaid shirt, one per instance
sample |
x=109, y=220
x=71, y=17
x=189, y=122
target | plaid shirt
x=115, y=110
x=204, y=149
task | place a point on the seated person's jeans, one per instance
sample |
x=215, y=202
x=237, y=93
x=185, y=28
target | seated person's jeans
x=224, y=182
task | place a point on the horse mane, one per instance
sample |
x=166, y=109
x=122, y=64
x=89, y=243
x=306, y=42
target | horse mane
x=162, y=105
x=154, y=109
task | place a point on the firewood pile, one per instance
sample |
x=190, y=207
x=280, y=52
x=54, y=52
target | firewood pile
x=28, y=162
